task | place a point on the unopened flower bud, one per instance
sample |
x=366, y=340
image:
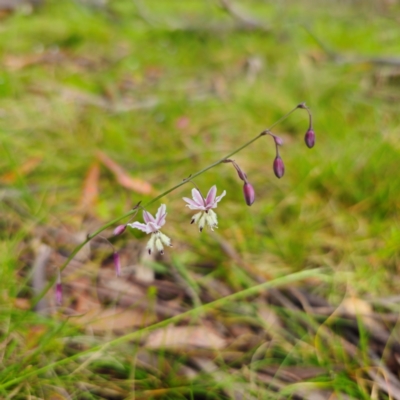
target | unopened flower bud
x=59, y=294
x=242, y=175
x=59, y=291
x=119, y=230
x=117, y=264
x=278, y=140
x=309, y=138
x=249, y=194
x=279, y=167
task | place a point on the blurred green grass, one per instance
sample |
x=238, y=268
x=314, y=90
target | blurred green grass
x=72, y=76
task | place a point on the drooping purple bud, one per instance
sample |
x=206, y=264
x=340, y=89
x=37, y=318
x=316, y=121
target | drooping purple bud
x=119, y=230
x=249, y=194
x=279, y=167
x=241, y=174
x=59, y=294
x=278, y=140
x=309, y=138
x=117, y=264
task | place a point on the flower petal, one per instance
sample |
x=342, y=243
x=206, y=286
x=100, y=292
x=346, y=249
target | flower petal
x=152, y=227
x=196, y=217
x=148, y=217
x=196, y=207
x=197, y=197
x=202, y=221
x=191, y=204
x=210, y=200
x=160, y=216
x=150, y=244
x=212, y=219
x=142, y=227
x=165, y=239
x=218, y=199
x=159, y=245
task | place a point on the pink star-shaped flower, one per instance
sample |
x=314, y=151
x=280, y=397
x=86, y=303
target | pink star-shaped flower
x=205, y=205
x=152, y=226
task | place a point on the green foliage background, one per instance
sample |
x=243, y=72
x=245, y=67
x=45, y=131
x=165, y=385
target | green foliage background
x=168, y=94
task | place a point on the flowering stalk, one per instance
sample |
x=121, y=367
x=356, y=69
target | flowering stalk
x=135, y=209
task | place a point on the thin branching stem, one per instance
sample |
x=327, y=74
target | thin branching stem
x=135, y=209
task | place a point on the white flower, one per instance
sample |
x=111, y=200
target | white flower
x=152, y=225
x=206, y=215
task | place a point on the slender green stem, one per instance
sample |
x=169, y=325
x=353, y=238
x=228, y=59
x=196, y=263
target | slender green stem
x=317, y=273
x=135, y=210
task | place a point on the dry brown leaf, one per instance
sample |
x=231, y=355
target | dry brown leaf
x=293, y=373
x=22, y=170
x=269, y=318
x=83, y=300
x=90, y=191
x=22, y=304
x=185, y=336
x=115, y=319
x=246, y=342
x=135, y=184
x=358, y=307
x=35, y=336
x=117, y=287
x=16, y=62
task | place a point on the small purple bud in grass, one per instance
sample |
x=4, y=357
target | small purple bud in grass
x=117, y=264
x=249, y=194
x=59, y=294
x=279, y=167
x=119, y=230
x=309, y=138
x=59, y=291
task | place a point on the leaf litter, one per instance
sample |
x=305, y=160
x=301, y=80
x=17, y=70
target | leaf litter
x=249, y=341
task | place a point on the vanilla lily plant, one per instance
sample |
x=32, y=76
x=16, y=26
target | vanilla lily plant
x=152, y=226
x=205, y=205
